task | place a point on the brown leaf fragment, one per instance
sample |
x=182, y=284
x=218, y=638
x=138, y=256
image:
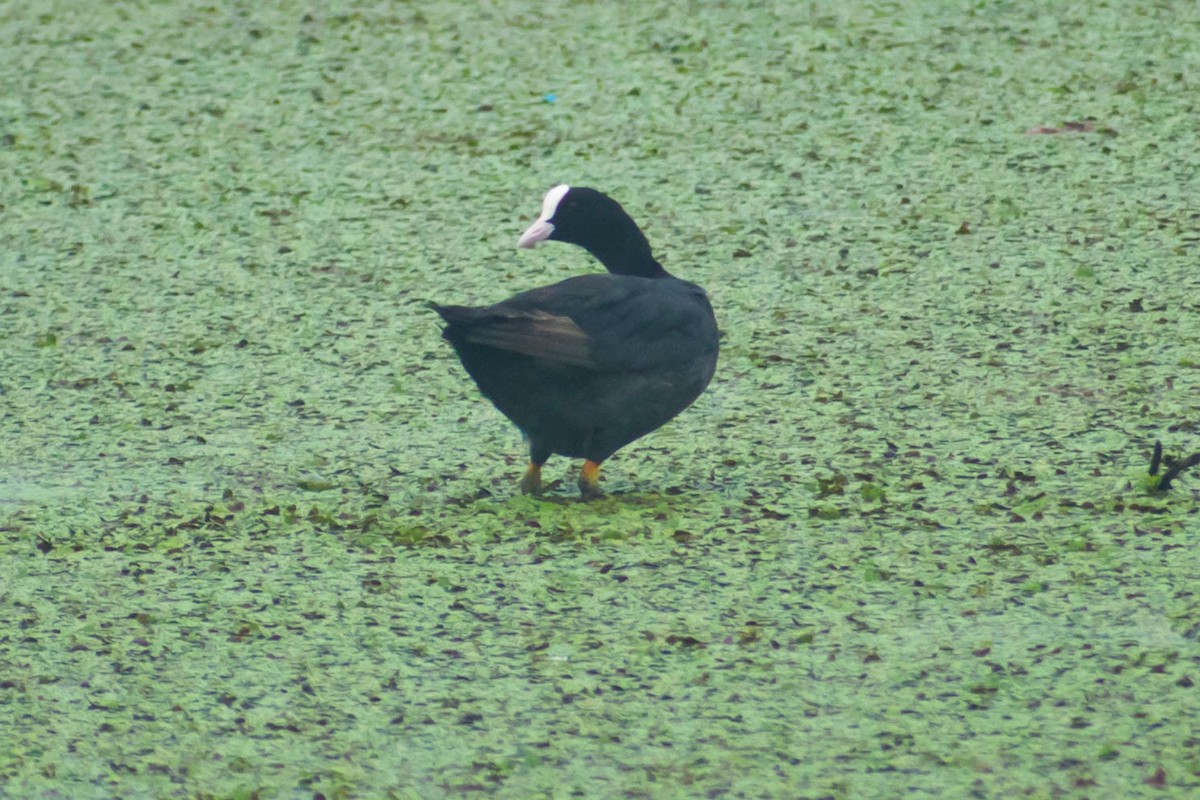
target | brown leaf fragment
x=685, y=641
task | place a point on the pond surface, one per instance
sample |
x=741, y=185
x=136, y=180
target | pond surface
x=261, y=537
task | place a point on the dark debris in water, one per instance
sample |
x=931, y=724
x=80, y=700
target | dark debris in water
x=1174, y=467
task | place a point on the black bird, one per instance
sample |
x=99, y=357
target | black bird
x=587, y=365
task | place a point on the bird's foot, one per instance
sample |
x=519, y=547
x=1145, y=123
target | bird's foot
x=589, y=480
x=531, y=482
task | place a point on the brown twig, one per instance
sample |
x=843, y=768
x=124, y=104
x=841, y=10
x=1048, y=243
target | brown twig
x=1175, y=467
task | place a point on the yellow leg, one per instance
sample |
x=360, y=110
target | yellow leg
x=531, y=483
x=589, y=480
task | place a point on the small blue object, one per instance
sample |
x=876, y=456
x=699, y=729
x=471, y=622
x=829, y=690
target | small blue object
x=550, y=98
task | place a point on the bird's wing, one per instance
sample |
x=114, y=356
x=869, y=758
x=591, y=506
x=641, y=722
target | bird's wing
x=608, y=323
x=531, y=332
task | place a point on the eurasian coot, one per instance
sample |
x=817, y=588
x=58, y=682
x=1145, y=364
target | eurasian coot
x=591, y=363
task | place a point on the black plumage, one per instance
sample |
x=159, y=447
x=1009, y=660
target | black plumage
x=589, y=364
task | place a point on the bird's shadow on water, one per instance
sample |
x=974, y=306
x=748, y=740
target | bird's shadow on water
x=562, y=492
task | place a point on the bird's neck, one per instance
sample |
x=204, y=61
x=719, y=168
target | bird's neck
x=627, y=252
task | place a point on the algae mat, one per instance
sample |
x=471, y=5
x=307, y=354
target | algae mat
x=260, y=535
